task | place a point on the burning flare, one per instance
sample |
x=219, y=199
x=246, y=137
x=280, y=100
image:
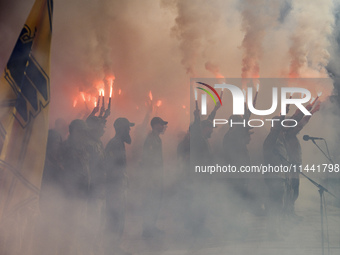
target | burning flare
x=111, y=79
x=83, y=96
x=159, y=103
x=111, y=89
x=119, y=91
x=150, y=95
x=101, y=92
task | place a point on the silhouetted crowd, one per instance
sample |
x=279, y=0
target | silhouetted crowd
x=84, y=188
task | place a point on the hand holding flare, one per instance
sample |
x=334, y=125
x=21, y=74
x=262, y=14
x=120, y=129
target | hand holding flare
x=111, y=88
x=96, y=106
x=287, y=106
x=257, y=91
x=103, y=101
x=102, y=109
x=98, y=102
x=196, y=96
x=313, y=101
x=319, y=95
x=254, y=100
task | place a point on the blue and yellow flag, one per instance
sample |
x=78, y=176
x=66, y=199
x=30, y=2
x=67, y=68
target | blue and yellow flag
x=24, y=102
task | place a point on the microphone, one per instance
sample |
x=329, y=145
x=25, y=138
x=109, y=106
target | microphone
x=307, y=138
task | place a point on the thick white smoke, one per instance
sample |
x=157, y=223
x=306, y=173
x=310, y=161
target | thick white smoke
x=312, y=24
x=258, y=17
x=159, y=45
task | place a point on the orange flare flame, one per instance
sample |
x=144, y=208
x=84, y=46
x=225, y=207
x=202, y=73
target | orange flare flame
x=83, y=96
x=111, y=79
x=150, y=95
x=75, y=103
x=159, y=103
x=100, y=85
x=119, y=91
x=111, y=89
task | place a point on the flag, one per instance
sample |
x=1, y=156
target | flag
x=24, y=103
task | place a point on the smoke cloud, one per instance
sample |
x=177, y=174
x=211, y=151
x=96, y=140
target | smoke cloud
x=257, y=18
x=313, y=24
x=158, y=46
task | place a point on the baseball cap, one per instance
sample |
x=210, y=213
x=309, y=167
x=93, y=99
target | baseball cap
x=122, y=123
x=158, y=120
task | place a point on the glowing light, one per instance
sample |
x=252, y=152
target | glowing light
x=95, y=103
x=258, y=87
x=150, y=95
x=75, y=103
x=159, y=103
x=101, y=92
x=319, y=94
x=183, y=106
x=119, y=91
x=83, y=96
x=111, y=89
x=100, y=85
x=111, y=79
